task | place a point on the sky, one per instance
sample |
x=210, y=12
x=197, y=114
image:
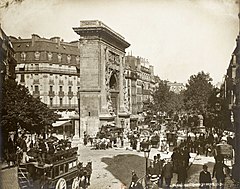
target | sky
x=178, y=37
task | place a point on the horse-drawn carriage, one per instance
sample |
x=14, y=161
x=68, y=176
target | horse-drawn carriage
x=59, y=170
x=226, y=152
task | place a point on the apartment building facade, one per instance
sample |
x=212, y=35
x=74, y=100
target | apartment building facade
x=49, y=68
x=140, y=82
x=176, y=87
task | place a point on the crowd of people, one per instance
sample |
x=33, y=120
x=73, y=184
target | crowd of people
x=201, y=144
x=22, y=148
x=15, y=151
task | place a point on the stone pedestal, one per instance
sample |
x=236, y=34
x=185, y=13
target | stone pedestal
x=76, y=138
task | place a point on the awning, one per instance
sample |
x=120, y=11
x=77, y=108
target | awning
x=61, y=123
x=21, y=65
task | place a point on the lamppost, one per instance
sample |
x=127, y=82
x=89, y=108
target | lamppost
x=122, y=124
x=146, y=150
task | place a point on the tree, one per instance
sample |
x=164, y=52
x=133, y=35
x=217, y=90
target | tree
x=197, y=93
x=21, y=110
x=217, y=111
x=164, y=101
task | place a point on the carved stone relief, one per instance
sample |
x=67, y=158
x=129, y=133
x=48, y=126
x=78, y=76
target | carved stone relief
x=126, y=95
x=113, y=58
x=111, y=78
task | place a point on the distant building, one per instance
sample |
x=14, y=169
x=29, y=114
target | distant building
x=7, y=60
x=7, y=65
x=176, y=87
x=140, y=84
x=49, y=68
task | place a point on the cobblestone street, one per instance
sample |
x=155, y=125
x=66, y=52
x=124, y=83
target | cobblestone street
x=102, y=176
x=8, y=178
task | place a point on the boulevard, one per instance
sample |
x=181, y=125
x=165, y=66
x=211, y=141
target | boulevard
x=148, y=99
x=113, y=173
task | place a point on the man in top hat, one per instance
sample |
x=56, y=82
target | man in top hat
x=23, y=146
x=205, y=178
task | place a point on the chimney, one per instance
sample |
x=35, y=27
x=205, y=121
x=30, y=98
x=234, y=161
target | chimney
x=35, y=37
x=56, y=40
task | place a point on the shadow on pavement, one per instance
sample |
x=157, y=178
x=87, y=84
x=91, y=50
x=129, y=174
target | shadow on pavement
x=121, y=167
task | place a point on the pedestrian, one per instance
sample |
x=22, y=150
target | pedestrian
x=205, y=178
x=207, y=149
x=150, y=170
x=186, y=156
x=11, y=149
x=167, y=173
x=160, y=164
x=175, y=159
x=23, y=146
x=135, y=184
x=218, y=172
x=182, y=174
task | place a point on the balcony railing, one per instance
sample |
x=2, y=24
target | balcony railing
x=70, y=93
x=36, y=93
x=64, y=106
x=36, y=81
x=51, y=82
x=61, y=93
x=61, y=82
x=48, y=70
x=51, y=93
x=70, y=83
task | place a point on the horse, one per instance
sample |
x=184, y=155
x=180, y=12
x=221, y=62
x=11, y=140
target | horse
x=84, y=174
x=88, y=173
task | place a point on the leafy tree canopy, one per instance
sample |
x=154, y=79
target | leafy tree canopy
x=164, y=100
x=21, y=109
x=198, y=91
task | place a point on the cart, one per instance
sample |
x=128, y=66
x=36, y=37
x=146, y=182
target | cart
x=227, y=153
x=59, y=172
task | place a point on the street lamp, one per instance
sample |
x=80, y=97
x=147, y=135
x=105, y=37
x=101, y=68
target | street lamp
x=122, y=124
x=146, y=150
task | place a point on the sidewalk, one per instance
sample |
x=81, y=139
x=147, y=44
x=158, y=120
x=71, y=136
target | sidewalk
x=8, y=177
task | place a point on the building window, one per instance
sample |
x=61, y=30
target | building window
x=37, y=66
x=51, y=88
x=59, y=57
x=23, y=56
x=49, y=56
x=60, y=101
x=22, y=78
x=77, y=59
x=70, y=89
x=51, y=102
x=36, y=88
x=68, y=59
x=60, y=88
x=37, y=55
x=70, y=101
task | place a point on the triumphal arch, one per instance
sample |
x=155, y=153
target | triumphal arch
x=101, y=90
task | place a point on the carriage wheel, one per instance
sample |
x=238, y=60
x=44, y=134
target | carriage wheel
x=75, y=183
x=61, y=184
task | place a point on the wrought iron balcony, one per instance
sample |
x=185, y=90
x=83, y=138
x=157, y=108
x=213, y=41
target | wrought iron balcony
x=61, y=93
x=51, y=93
